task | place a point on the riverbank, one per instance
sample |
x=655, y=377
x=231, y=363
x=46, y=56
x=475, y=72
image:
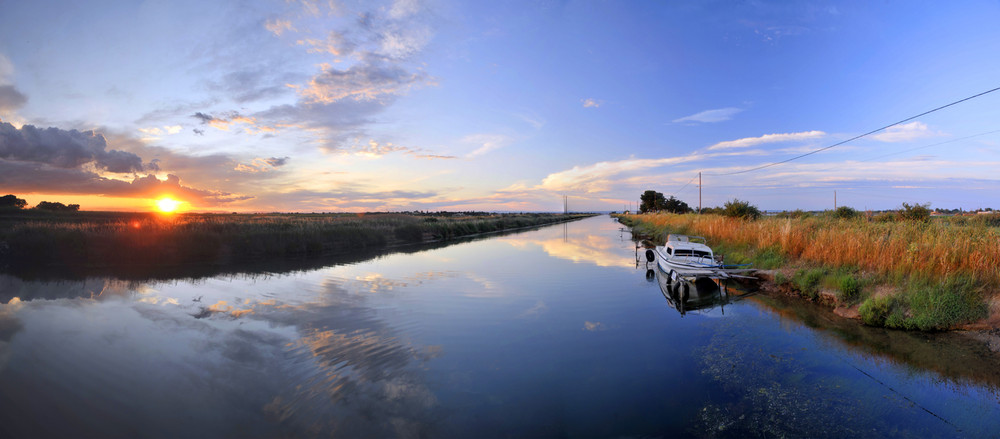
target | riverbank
x=102, y=239
x=935, y=275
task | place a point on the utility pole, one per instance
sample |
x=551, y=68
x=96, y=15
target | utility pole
x=834, y=200
x=699, y=193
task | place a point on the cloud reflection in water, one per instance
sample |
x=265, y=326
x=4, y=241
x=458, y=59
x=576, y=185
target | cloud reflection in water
x=154, y=358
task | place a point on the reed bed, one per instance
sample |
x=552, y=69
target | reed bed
x=934, y=248
x=926, y=275
x=103, y=239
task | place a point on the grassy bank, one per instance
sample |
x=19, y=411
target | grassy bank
x=110, y=238
x=929, y=275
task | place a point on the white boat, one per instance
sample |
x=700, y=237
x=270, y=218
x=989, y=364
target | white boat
x=689, y=258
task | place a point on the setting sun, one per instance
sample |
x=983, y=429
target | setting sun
x=167, y=204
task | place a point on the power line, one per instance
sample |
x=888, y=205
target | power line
x=859, y=136
x=915, y=149
x=678, y=191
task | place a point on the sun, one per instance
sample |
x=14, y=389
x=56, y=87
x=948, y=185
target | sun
x=167, y=204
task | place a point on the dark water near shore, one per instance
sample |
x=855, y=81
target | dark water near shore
x=552, y=332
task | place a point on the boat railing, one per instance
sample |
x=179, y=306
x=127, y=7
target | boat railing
x=687, y=238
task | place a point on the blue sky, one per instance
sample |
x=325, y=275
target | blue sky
x=442, y=105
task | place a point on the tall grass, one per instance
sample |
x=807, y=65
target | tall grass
x=937, y=248
x=939, y=269
x=92, y=238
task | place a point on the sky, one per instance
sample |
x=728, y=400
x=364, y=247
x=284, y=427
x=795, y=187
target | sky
x=330, y=106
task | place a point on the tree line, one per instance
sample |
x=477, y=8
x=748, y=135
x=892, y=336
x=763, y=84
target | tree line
x=11, y=202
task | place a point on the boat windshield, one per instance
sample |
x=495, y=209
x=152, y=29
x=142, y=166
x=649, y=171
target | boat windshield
x=695, y=253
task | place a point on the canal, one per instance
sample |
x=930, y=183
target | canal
x=552, y=332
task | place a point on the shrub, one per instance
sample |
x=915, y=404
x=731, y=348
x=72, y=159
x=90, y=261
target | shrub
x=807, y=281
x=845, y=212
x=875, y=310
x=780, y=279
x=915, y=212
x=850, y=288
x=941, y=305
x=885, y=217
x=741, y=209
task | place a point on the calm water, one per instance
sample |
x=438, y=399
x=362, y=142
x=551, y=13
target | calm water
x=551, y=332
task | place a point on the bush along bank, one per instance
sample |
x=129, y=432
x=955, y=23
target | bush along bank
x=915, y=275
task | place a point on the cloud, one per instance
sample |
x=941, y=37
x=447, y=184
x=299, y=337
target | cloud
x=767, y=138
x=591, y=103
x=6, y=69
x=224, y=122
x=153, y=133
x=278, y=27
x=488, y=142
x=710, y=116
x=64, y=149
x=11, y=99
x=597, y=177
x=262, y=164
x=335, y=44
x=42, y=178
x=372, y=79
x=906, y=132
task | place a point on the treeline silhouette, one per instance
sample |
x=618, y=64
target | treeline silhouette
x=11, y=202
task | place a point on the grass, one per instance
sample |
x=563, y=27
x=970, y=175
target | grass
x=938, y=272
x=29, y=238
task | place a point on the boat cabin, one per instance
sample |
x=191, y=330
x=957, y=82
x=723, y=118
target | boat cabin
x=692, y=248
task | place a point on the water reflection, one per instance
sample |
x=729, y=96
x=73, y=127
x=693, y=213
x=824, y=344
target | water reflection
x=955, y=357
x=329, y=364
x=502, y=337
x=601, y=250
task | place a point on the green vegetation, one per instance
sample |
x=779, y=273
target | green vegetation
x=844, y=212
x=904, y=269
x=927, y=305
x=741, y=209
x=56, y=238
x=652, y=201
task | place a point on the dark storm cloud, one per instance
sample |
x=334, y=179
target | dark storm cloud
x=11, y=99
x=66, y=149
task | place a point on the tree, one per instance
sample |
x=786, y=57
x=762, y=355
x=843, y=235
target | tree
x=674, y=205
x=741, y=209
x=916, y=212
x=12, y=202
x=57, y=207
x=845, y=212
x=651, y=201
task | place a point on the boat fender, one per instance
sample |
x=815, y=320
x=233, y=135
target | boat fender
x=650, y=256
x=650, y=275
